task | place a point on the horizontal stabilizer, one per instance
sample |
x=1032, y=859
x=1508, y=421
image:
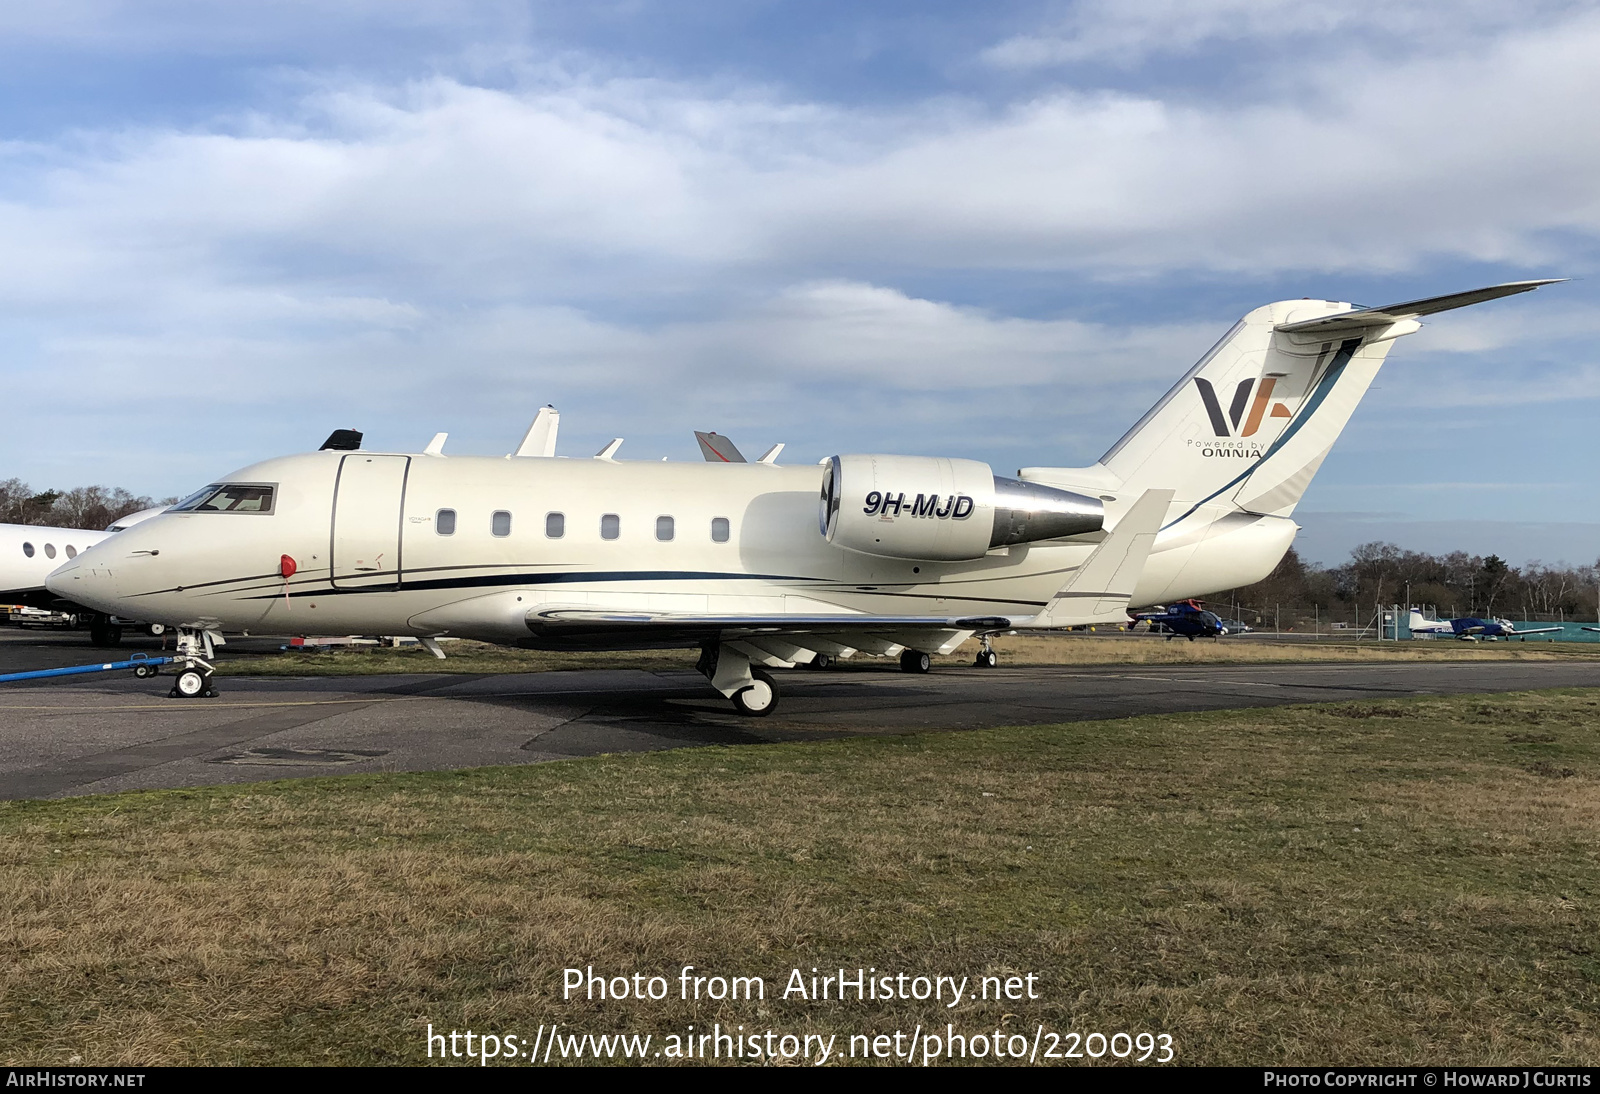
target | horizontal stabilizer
x=718, y=449
x=1363, y=319
x=1100, y=589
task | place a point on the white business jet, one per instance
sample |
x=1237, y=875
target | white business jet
x=29, y=552
x=762, y=565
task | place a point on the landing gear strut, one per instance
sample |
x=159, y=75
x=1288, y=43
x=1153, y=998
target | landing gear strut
x=753, y=691
x=987, y=658
x=194, y=679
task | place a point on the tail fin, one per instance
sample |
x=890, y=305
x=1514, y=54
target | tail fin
x=1249, y=426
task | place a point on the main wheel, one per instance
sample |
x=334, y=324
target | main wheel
x=915, y=661
x=822, y=662
x=158, y=629
x=105, y=634
x=190, y=684
x=760, y=698
x=987, y=659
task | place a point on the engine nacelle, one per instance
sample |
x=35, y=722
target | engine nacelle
x=942, y=510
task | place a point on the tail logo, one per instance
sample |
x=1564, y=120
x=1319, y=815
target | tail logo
x=1225, y=425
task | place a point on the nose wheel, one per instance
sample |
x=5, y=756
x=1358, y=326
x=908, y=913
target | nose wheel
x=193, y=681
x=193, y=684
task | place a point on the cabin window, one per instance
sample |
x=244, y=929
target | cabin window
x=664, y=528
x=610, y=526
x=49, y=550
x=72, y=552
x=719, y=529
x=27, y=549
x=555, y=525
x=500, y=523
x=228, y=498
x=444, y=522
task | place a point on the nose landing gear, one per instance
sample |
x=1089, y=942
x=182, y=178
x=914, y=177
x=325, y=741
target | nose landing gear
x=195, y=651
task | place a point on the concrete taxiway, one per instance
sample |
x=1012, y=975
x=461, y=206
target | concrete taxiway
x=102, y=734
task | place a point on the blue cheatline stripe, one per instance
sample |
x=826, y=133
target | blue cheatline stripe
x=1346, y=351
x=500, y=580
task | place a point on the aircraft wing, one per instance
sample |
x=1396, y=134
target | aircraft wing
x=776, y=640
x=1539, y=630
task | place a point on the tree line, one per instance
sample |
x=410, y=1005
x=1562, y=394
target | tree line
x=1455, y=584
x=91, y=507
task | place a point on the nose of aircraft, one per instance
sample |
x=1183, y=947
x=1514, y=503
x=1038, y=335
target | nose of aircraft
x=83, y=582
x=95, y=579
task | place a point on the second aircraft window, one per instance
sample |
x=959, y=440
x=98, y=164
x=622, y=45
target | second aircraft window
x=500, y=524
x=610, y=526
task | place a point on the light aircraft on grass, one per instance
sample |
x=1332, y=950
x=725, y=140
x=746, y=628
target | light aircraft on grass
x=762, y=565
x=1471, y=628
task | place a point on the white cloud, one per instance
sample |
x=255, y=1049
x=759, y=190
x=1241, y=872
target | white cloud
x=1126, y=33
x=582, y=186
x=678, y=255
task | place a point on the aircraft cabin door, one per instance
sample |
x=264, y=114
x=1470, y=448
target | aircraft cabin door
x=367, y=505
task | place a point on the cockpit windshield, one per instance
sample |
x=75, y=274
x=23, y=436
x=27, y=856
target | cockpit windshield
x=229, y=498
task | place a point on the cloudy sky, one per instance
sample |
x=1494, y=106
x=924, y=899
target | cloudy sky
x=997, y=231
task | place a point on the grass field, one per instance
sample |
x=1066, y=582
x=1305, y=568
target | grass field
x=1414, y=881
x=1071, y=649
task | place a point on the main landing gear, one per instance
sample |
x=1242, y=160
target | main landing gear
x=753, y=691
x=987, y=658
x=915, y=661
x=193, y=680
x=103, y=632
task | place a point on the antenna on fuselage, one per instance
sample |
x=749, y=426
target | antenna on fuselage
x=609, y=452
x=771, y=455
x=540, y=440
x=436, y=446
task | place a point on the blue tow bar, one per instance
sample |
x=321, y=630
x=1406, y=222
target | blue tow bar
x=138, y=661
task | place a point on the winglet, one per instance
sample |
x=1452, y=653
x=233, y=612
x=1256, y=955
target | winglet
x=718, y=449
x=1100, y=589
x=540, y=439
